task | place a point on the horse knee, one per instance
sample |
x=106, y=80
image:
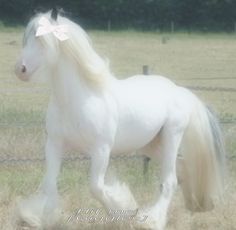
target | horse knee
x=169, y=186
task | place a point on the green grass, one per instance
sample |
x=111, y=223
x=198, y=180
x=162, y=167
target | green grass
x=188, y=59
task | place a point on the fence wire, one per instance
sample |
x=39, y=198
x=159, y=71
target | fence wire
x=22, y=140
x=23, y=144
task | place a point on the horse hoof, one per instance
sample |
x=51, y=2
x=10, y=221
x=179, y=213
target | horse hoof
x=148, y=219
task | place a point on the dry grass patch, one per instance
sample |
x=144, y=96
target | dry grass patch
x=190, y=60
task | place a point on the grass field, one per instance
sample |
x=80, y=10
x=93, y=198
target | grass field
x=188, y=59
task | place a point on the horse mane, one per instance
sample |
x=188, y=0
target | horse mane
x=77, y=48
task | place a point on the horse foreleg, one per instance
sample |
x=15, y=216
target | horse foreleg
x=53, y=165
x=40, y=208
x=113, y=197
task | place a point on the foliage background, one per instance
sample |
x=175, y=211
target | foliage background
x=200, y=15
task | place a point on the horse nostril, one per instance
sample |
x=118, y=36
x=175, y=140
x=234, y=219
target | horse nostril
x=23, y=69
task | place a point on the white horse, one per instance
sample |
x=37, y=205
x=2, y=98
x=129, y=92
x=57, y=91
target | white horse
x=95, y=113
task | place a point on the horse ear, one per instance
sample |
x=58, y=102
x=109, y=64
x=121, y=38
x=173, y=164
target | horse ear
x=54, y=13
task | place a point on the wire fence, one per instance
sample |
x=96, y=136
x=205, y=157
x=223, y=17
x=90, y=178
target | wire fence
x=219, y=89
x=23, y=142
x=13, y=159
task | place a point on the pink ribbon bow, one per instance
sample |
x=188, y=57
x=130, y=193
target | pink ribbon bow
x=45, y=27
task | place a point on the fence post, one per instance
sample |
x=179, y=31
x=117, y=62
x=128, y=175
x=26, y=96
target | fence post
x=145, y=158
x=109, y=25
x=172, y=27
x=145, y=70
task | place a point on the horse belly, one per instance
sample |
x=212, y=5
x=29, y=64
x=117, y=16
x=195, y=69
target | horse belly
x=143, y=109
x=134, y=134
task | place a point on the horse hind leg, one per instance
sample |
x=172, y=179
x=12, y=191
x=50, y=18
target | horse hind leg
x=167, y=150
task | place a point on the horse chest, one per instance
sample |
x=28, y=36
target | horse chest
x=79, y=134
x=82, y=128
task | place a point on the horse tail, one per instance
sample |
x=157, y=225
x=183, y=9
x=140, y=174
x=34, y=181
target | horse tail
x=202, y=160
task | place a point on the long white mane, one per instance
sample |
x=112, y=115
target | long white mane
x=77, y=48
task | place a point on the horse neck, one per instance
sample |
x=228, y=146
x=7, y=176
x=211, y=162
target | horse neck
x=67, y=86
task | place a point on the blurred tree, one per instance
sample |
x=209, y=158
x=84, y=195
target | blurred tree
x=141, y=14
